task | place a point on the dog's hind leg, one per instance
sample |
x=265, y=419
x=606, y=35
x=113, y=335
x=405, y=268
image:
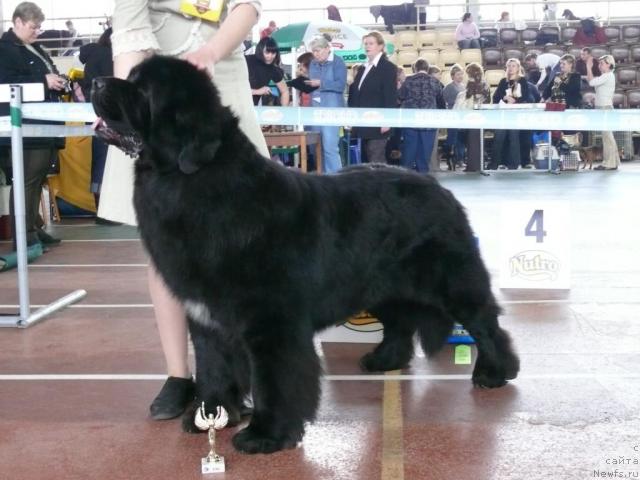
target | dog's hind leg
x=222, y=374
x=399, y=319
x=496, y=362
x=285, y=386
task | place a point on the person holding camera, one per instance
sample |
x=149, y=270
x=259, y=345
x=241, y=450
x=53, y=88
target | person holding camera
x=22, y=60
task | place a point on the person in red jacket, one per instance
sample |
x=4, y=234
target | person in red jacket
x=589, y=33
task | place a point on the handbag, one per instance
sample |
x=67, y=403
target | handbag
x=555, y=107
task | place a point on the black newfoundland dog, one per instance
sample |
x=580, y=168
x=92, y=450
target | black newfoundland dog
x=263, y=256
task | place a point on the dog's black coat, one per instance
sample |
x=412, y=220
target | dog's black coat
x=263, y=257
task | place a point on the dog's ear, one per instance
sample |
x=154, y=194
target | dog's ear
x=196, y=154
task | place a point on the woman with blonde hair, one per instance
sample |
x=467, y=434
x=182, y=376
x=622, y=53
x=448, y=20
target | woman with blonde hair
x=605, y=85
x=511, y=89
x=565, y=87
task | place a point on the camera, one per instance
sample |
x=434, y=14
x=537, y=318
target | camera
x=66, y=85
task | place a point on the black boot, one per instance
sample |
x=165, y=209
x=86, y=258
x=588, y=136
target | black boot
x=175, y=395
x=46, y=239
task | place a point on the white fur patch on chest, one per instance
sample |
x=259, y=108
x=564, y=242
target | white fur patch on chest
x=199, y=313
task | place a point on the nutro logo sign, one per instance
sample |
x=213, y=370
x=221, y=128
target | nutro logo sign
x=534, y=265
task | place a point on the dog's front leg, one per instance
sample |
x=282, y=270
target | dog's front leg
x=285, y=387
x=222, y=374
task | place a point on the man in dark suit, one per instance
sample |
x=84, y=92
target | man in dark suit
x=374, y=87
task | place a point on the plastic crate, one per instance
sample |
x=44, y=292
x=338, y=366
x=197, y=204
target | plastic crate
x=541, y=157
x=571, y=161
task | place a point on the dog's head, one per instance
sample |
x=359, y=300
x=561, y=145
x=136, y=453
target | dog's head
x=167, y=109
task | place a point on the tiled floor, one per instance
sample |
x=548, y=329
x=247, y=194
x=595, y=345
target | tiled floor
x=74, y=389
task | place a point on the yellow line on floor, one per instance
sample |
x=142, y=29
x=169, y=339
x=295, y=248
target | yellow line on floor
x=392, y=435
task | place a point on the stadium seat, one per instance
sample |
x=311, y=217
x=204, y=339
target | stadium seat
x=405, y=40
x=508, y=36
x=567, y=34
x=631, y=33
x=599, y=50
x=446, y=38
x=626, y=76
x=491, y=34
x=389, y=38
x=612, y=33
x=575, y=51
x=555, y=49
x=533, y=49
x=430, y=55
x=635, y=54
x=406, y=58
x=470, y=55
x=620, y=53
x=529, y=36
x=551, y=31
x=513, y=52
x=493, y=77
x=449, y=56
x=633, y=98
x=491, y=57
x=588, y=99
x=619, y=99
x=427, y=39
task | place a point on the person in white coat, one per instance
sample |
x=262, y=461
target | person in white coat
x=141, y=28
x=605, y=85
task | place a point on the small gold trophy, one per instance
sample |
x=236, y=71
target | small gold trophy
x=212, y=463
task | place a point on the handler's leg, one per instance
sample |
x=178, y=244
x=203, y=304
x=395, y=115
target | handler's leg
x=179, y=388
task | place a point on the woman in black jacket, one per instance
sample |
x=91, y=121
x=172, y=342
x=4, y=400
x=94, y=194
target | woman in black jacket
x=565, y=87
x=23, y=61
x=511, y=89
x=374, y=87
x=98, y=62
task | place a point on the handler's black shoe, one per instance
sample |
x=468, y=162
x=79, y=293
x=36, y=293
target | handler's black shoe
x=173, y=399
x=46, y=239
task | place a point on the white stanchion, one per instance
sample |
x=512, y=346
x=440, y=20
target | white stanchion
x=25, y=317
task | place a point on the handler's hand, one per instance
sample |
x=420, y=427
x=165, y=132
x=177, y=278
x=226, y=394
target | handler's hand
x=54, y=82
x=202, y=58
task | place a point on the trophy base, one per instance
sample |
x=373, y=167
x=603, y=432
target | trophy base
x=213, y=466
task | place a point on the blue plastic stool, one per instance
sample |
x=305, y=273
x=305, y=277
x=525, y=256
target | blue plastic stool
x=459, y=334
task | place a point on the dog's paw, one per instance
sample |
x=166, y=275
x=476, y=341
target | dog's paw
x=373, y=362
x=248, y=441
x=486, y=378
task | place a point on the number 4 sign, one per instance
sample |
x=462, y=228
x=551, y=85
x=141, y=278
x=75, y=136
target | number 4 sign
x=535, y=250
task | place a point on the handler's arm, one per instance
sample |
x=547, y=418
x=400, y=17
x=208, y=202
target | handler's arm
x=231, y=34
x=284, y=93
x=133, y=39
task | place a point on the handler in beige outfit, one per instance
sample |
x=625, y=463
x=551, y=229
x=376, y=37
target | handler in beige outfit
x=140, y=28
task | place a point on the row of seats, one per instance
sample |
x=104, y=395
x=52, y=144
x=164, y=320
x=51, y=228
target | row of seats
x=495, y=57
x=511, y=36
x=445, y=38
x=443, y=58
x=621, y=98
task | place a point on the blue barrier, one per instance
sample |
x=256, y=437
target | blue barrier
x=508, y=118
